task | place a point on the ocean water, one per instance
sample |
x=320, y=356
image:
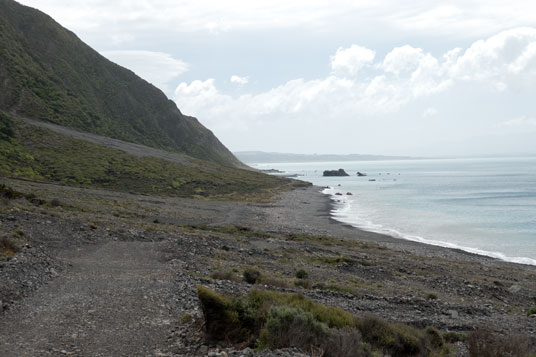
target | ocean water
x=484, y=206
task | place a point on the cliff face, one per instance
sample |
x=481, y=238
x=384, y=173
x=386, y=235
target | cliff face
x=49, y=74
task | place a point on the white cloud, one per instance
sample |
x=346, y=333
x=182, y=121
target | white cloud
x=239, y=80
x=506, y=59
x=405, y=59
x=157, y=68
x=460, y=17
x=404, y=75
x=522, y=121
x=351, y=59
x=429, y=112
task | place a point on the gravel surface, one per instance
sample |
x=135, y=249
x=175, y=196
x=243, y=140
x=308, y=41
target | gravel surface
x=112, y=274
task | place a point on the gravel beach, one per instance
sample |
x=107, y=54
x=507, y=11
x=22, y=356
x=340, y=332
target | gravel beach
x=126, y=267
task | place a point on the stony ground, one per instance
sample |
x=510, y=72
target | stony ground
x=104, y=274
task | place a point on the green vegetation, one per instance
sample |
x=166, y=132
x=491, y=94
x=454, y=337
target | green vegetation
x=270, y=319
x=8, y=247
x=186, y=318
x=454, y=336
x=301, y=274
x=39, y=154
x=431, y=296
x=251, y=276
x=48, y=74
x=225, y=275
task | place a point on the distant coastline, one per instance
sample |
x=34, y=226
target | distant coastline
x=262, y=157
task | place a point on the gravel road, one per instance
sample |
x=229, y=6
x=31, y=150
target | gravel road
x=111, y=300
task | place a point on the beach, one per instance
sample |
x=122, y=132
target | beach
x=209, y=243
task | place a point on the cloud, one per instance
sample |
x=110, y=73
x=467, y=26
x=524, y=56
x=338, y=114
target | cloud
x=404, y=75
x=506, y=59
x=522, y=121
x=429, y=112
x=352, y=59
x=157, y=68
x=459, y=18
x=239, y=80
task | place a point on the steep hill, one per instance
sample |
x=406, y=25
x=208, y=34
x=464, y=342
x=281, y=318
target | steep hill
x=47, y=73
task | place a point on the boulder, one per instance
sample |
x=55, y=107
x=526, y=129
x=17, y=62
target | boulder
x=339, y=172
x=361, y=174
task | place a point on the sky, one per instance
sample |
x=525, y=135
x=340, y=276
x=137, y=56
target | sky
x=415, y=77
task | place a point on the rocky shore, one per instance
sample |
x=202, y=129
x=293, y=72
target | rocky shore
x=105, y=273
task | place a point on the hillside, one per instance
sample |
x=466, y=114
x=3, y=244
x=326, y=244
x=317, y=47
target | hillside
x=48, y=74
x=48, y=154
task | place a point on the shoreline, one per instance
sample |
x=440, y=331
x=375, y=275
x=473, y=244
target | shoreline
x=332, y=226
x=436, y=243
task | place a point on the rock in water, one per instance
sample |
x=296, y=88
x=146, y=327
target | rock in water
x=339, y=172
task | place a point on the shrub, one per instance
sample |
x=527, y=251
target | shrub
x=431, y=296
x=398, y=340
x=19, y=233
x=8, y=247
x=225, y=275
x=221, y=321
x=484, y=343
x=291, y=327
x=331, y=316
x=453, y=337
x=186, y=318
x=435, y=337
x=9, y=193
x=345, y=342
x=251, y=276
x=278, y=320
x=301, y=274
x=532, y=311
x=55, y=202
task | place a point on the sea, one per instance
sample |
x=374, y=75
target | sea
x=485, y=206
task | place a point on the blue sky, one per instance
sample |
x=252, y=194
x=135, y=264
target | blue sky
x=422, y=78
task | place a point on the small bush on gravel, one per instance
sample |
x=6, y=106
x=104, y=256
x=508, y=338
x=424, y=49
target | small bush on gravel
x=186, y=318
x=396, y=339
x=301, y=274
x=225, y=275
x=290, y=326
x=485, y=343
x=453, y=337
x=9, y=193
x=431, y=296
x=251, y=276
x=435, y=336
x=532, y=311
x=8, y=247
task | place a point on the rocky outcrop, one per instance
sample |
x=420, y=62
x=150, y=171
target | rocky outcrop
x=339, y=172
x=361, y=174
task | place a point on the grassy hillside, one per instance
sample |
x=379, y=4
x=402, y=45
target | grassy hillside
x=35, y=153
x=48, y=74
